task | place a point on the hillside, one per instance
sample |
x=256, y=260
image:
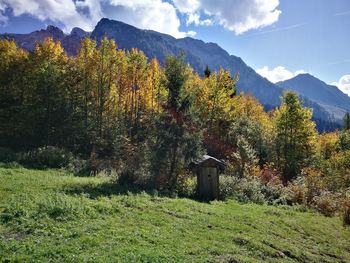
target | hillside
x=197, y=53
x=330, y=97
x=53, y=216
x=70, y=42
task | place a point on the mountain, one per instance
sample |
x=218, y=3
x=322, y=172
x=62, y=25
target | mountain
x=70, y=42
x=328, y=96
x=197, y=53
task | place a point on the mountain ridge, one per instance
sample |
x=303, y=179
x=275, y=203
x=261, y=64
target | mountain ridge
x=329, y=96
x=70, y=42
x=197, y=53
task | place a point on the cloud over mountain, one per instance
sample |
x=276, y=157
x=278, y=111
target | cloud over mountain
x=278, y=73
x=149, y=14
x=235, y=15
x=64, y=11
x=343, y=84
x=159, y=15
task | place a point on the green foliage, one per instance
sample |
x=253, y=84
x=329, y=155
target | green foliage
x=207, y=71
x=327, y=203
x=346, y=121
x=177, y=140
x=244, y=157
x=247, y=133
x=295, y=134
x=241, y=189
x=130, y=119
x=344, y=140
x=7, y=155
x=46, y=157
x=251, y=189
x=346, y=212
x=186, y=185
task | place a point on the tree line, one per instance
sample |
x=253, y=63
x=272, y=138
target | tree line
x=117, y=105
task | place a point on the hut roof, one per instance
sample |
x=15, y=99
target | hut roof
x=206, y=158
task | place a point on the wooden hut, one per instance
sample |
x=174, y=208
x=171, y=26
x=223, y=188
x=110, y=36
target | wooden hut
x=208, y=169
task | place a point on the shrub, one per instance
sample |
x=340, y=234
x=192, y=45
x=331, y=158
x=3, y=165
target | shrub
x=12, y=165
x=127, y=177
x=46, y=157
x=76, y=165
x=346, y=212
x=135, y=172
x=269, y=174
x=7, y=155
x=344, y=140
x=186, y=185
x=276, y=194
x=241, y=189
x=326, y=203
x=298, y=191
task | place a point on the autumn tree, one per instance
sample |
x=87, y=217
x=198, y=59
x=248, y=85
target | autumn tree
x=216, y=109
x=328, y=144
x=13, y=61
x=295, y=135
x=45, y=97
x=177, y=139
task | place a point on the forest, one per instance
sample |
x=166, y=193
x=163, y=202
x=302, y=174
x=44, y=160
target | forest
x=118, y=113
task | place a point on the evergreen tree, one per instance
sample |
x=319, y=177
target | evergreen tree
x=207, y=71
x=295, y=133
x=178, y=139
x=347, y=121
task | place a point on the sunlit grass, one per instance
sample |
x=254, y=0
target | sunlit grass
x=54, y=216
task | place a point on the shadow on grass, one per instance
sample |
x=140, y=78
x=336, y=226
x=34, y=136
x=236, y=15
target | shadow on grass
x=107, y=189
x=111, y=188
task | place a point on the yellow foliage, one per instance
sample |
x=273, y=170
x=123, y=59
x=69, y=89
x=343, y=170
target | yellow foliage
x=327, y=144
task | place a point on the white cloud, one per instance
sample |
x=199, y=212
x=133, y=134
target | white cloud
x=3, y=18
x=63, y=11
x=187, y=6
x=194, y=18
x=157, y=15
x=277, y=74
x=343, y=84
x=191, y=33
x=235, y=15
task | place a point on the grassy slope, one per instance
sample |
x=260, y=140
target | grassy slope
x=51, y=216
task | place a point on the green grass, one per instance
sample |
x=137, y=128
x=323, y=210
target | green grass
x=51, y=216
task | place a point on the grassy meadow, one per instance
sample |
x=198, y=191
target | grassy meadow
x=53, y=216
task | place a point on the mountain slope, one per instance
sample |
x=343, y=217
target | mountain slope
x=330, y=97
x=197, y=53
x=70, y=43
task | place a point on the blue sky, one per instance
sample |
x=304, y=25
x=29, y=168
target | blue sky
x=278, y=38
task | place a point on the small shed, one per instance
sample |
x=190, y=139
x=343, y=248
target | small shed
x=208, y=169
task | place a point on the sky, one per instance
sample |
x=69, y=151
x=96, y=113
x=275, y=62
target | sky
x=278, y=38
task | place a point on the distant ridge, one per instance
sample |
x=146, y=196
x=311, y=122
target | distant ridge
x=330, y=97
x=70, y=43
